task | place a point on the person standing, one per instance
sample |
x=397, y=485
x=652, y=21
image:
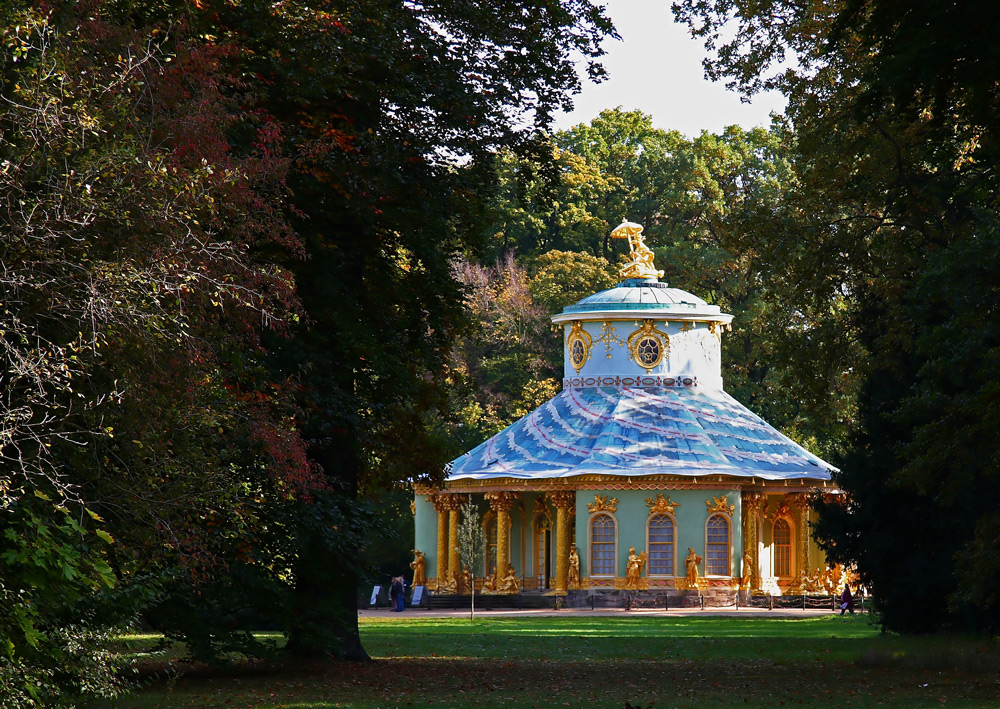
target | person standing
x=396, y=592
x=846, y=600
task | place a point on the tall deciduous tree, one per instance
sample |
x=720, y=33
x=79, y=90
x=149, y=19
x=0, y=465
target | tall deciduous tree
x=133, y=302
x=894, y=106
x=380, y=103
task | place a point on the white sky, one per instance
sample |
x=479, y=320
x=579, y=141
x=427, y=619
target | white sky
x=656, y=68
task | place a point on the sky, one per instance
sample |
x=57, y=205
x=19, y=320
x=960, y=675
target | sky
x=656, y=68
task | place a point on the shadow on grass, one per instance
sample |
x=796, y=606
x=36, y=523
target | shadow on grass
x=613, y=662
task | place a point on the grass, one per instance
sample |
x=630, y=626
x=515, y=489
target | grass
x=633, y=661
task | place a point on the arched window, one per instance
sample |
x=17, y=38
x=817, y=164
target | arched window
x=661, y=545
x=781, y=538
x=717, y=546
x=602, y=545
x=491, y=546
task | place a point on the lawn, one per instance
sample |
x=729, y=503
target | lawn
x=637, y=661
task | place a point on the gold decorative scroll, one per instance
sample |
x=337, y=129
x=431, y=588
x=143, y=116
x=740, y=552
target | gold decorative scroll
x=720, y=504
x=602, y=503
x=609, y=336
x=658, y=505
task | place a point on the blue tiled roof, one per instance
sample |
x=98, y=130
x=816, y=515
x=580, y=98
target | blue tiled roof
x=640, y=431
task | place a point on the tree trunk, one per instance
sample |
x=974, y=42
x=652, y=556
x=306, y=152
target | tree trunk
x=325, y=615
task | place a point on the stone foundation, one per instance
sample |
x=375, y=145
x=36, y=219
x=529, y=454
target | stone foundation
x=655, y=598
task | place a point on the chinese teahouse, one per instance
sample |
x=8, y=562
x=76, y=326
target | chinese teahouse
x=642, y=474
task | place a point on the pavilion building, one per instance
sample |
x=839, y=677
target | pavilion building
x=641, y=474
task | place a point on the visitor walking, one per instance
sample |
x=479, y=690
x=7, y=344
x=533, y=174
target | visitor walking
x=397, y=591
x=846, y=600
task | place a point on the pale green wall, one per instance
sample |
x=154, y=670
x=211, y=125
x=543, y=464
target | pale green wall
x=425, y=533
x=633, y=512
x=631, y=516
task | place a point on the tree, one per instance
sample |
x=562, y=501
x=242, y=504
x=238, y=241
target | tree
x=711, y=206
x=471, y=545
x=133, y=302
x=379, y=103
x=897, y=156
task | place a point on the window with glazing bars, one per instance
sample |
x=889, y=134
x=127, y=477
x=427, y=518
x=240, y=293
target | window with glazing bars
x=661, y=546
x=717, y=548
x=602, y=546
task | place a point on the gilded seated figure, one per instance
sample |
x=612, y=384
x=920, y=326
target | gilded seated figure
x=506, y=582
x=448, y=585
x=490, y=583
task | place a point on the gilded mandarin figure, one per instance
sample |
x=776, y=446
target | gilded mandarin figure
x=691, y=568
x=641, y=265
x=419, y=566
x=633, y=570
x=574, y=567
x=747, y=579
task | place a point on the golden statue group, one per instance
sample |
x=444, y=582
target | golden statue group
x=642, y=449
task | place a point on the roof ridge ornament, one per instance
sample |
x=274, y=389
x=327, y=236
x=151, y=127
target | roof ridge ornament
x=641, y=265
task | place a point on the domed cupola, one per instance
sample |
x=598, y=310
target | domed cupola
x=642, y=332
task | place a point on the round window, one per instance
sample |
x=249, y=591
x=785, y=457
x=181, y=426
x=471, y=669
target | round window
x=647, y=351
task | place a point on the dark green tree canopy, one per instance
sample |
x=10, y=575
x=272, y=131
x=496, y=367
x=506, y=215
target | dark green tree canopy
x=894, y=109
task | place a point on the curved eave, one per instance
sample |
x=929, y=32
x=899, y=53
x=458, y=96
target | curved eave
x=630, y=432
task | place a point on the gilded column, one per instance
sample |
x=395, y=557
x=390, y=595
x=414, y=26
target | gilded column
x=439, y=500
x=454, y=560
x=800, y=503
x=563, y=501
x=753, y=504
x=501, y=503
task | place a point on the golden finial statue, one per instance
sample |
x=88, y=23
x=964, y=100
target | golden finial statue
x=641, y=265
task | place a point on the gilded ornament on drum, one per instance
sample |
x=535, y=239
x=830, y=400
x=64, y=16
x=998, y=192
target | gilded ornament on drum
x=578, y=345
x=609, y=336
